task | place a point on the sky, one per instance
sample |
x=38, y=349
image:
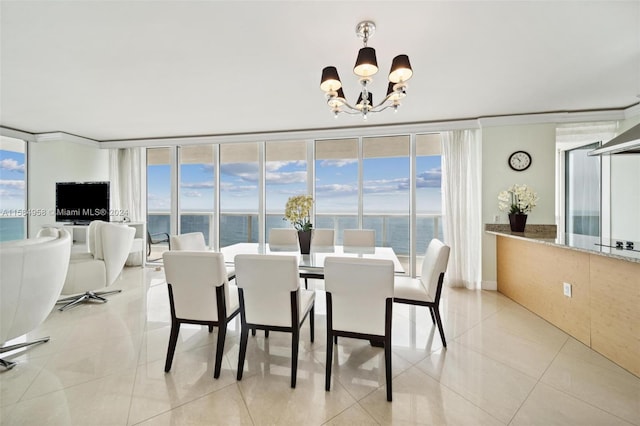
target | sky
x=12, y=183
x=385, y=181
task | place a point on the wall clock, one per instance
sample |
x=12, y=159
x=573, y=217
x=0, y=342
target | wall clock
x=519, y=161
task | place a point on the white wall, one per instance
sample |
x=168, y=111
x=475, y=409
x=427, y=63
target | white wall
x=59, y=161
x=497, y=144
x=625, y=192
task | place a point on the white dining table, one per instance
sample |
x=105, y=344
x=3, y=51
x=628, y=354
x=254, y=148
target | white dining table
x=313, y=263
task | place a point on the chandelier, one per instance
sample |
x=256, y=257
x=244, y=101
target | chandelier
x=367, y=66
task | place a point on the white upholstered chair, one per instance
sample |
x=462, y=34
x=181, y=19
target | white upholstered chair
x=359, y=238
x=109, y=246
x=199, y=293
x=271, y=299
x=426, y=289
x=322, y=238
x=284, y=237
x=194, y=241
x=32, y=273
x=359, y=305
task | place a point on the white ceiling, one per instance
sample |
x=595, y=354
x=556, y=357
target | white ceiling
x=111, y=70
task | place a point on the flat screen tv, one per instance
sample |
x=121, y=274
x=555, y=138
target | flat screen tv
x=82, y=202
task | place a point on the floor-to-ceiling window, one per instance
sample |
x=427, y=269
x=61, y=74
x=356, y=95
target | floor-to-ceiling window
x=336, y=185
x=285, y=175
x=13, y=189
x=159, y=164
x=239, y=193
x=428, y=172
x=385, y=190
x=197, y=190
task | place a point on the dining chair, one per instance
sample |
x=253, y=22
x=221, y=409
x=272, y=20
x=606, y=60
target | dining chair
x=359, y=305
x=194, y=241
x=287, y=237
x=189, y=241
x=322, y=238
x=426, y=289
x=199, y=293
x=271, y=299
x=359, y=238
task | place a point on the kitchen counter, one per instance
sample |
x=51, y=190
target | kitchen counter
x=546, y=234
x=590, y=291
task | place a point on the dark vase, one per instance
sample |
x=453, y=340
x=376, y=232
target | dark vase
x=305, y=241
x=517, y=222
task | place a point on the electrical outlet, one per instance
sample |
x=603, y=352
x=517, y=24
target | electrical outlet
x=566, y=288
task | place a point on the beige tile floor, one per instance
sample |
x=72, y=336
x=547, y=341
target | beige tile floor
x=504, y=365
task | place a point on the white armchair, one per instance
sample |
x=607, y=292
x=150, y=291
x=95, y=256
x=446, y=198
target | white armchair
x=31, y=277
x=359, y=305
x=109, y=246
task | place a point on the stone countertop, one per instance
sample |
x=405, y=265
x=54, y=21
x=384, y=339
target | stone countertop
x=547, y=234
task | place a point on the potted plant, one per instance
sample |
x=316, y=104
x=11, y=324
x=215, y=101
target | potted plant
x=298, y=212
x=518, y=201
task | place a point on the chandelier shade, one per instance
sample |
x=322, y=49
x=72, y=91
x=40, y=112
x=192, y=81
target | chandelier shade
x=365, y=68
x=400, y=69
x=330, y=81
x=366, y=64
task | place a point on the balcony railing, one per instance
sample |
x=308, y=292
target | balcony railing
x=392, y=230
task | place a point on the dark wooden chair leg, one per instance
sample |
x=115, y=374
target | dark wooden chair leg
x=173, y=340
x=433, y=318
x=266, y=334
x=244, y=336
x=222, y=331
x=387, y=362
x=253, y=331
x=210, y=328
x=312, y=322
x=439, y=321
x=295, y=341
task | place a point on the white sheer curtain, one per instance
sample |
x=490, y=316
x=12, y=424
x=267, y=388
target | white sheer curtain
x=461, y=201
x=125, y=166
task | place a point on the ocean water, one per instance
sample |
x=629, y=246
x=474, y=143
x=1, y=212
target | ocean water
x=12, y=228
x=391, y=231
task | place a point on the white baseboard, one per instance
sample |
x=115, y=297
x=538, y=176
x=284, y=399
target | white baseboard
x=490, y=285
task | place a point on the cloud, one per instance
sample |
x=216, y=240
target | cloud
x=192, y=194
x=16, y=184
x=231, y=187
x=337, y=189
x=429, y=179
x=11, y=165
x=337, y=163
x=285, y=177
x=197, y=185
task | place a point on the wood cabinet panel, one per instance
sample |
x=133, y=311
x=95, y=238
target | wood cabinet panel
x=615, y=310
x=533, y=274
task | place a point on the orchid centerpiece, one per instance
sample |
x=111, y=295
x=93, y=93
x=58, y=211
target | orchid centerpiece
x=519, y=199
x=298, y=212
